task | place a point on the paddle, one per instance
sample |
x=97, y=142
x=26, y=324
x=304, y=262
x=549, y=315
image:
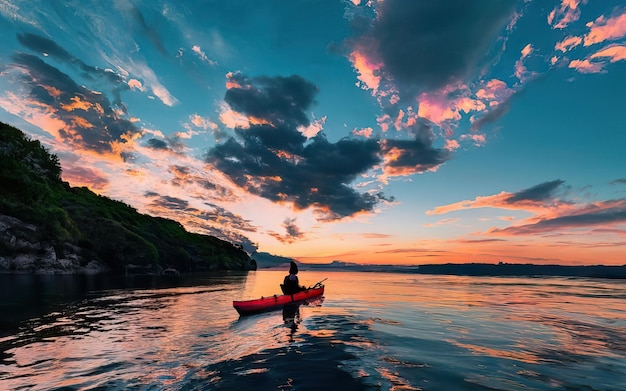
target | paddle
x=317, y=284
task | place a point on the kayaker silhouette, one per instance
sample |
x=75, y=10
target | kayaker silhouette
x=291, y=284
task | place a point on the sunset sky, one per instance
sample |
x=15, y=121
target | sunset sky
x=392, y=131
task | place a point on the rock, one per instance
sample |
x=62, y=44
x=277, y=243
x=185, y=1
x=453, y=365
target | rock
x=22, y=251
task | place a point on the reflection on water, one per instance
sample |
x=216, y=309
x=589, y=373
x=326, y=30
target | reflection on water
x=371, y=331
x=291, y=317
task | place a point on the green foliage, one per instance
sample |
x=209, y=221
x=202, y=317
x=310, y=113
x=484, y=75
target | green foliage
x=32, y=191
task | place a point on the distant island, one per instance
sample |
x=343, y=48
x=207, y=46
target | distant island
x=268, y=261
x=46, y=226
x=482, y=269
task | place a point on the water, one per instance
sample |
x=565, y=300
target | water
x=371, y=331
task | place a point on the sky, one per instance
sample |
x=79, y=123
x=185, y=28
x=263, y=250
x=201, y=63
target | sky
x=387, y=132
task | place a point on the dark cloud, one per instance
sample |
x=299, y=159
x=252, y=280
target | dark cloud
x=280, y=100
x=492, y=115
x=277, y=162
x=92, y=122
x=215, y=221
x=591, y=217
x=150, y=32
x=171, y=203
x=157, y=144
x=425, y=45
x=621, y=181
x=417, y=155
x=291, y=228
x=541, y=192
x=43, y=45
x=293, y=232
x=226, y=218
x=184, y=176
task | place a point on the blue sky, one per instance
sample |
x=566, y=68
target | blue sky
x=377, y=132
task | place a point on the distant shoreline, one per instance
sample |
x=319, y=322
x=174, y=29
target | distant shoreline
x=478, y=269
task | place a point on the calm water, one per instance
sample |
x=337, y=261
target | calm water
x=371, y=331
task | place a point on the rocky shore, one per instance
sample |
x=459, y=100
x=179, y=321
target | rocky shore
x=23, y=251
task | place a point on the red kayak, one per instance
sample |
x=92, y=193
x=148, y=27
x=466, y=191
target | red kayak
x=249, y=307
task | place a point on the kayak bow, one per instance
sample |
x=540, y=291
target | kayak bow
x=249, y=307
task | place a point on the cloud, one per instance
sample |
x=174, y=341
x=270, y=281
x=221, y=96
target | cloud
x=605, y=29
x=597, y=214
x=212, y=220
x=568, y=12
x=273, y=159
x=150, y=32
x=406, y=157
x=586, y=66
x=196, y=49
x=496, y=112
x=278, y=100
x=613, y=53
x=47, y=47
x=538, y=198
x=539, y=193
x=89, y=121
x=423, y=46
x=293, y=232
x=568, y=44
x=84, y=176
x=550, y=211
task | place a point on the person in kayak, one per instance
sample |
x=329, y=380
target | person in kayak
x=291, y=284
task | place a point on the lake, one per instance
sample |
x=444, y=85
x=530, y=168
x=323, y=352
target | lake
x=370, y=331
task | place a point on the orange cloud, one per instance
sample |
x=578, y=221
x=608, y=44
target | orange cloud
x=314, y=128
x=586, y=66
x=441, y=108
x=79, y=176
x=478, y=139
x=567, y=13
x=603, y=29
x=135, y=84
x=502, y=200
x=202, y=122
x=527, y=50
x=366, y=132
x=614, y=53
x=568, y=44
x=367, y=71
x=77, y=103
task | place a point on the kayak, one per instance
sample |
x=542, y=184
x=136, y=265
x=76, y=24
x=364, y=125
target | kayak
x=255, y=306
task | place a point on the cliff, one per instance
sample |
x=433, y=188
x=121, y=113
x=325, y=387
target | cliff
x=46, y=226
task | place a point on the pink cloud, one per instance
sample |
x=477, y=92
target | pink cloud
x=586, y=66
x=365, y=132
x=494, y=90
x=383, y=122
x=196, y=49
x=451, y=145
x=502, y=200
x=614, y=53
x=440, y=107
x=367, y=71
x=567, y=13
x=202, y=122
x=607, y=214
x=568, y=44
x=478, y=139
x=82, y=176
x=313, y=129
x=603, y=29
x=135, y=84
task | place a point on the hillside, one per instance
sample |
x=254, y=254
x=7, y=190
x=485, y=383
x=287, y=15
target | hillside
x=48, y=226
